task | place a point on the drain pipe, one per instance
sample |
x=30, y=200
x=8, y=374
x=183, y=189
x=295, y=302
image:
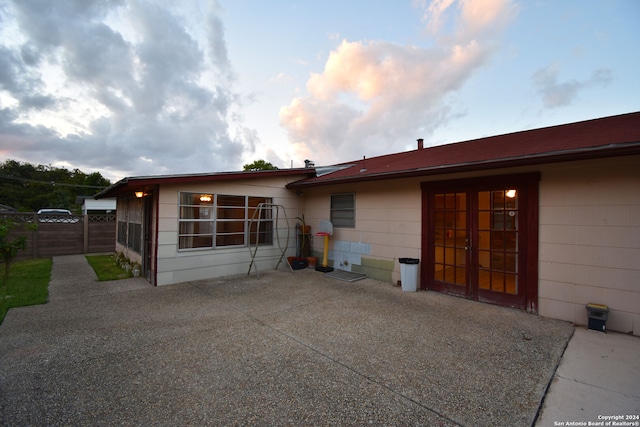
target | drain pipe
x=298, y=215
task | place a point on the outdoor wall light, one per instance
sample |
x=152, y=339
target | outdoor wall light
x=139, y=194
x=205, y=198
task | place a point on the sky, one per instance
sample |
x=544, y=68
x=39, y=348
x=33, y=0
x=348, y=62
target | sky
x=157, y=87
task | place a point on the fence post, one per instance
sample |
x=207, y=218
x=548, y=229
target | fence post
x=86, y=233
x=35, y=250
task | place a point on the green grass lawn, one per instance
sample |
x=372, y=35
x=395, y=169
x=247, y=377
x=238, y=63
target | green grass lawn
x=106, y=267
x=28, y=284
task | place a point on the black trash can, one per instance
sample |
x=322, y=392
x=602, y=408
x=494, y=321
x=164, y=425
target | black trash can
x=409, y=274
x=598, y=314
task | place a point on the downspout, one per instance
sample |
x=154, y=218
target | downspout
x=156, y=202
x=297, y=231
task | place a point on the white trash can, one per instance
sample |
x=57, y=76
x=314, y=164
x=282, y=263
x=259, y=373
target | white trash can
x=409, y=274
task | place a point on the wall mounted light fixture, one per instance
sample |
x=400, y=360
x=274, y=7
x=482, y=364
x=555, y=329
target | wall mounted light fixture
x=139, y=194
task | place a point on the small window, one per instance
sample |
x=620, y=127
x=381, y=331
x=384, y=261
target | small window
x=343, y=210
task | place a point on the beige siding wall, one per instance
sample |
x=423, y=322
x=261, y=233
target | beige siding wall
x=176, y=266
x=388, y=221
x=590, y=241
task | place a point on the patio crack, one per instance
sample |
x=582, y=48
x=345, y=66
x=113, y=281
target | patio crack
x=353, y=370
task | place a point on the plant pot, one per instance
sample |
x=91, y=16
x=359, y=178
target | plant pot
x=312, y=261
x=305, y=229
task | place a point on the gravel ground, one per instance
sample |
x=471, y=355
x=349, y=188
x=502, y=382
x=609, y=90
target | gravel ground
x=285, y=349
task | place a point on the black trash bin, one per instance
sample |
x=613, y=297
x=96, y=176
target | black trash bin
x=409, y=274
x=597, y=314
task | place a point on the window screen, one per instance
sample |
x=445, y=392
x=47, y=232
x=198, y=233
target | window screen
x=343, y=210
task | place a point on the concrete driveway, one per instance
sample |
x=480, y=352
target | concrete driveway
x=285, y=349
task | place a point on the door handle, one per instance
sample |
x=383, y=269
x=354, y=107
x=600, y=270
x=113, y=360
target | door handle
x=467, y=246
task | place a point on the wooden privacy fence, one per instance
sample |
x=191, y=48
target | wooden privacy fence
x=64, y=234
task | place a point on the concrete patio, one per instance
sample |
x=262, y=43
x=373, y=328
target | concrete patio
x=283, y=349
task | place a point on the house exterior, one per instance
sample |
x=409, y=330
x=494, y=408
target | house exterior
x=91, y=206
x=181, y=228
x=545, y=220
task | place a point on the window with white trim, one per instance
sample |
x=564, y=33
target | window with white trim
x=219, y=220
x=343, y=210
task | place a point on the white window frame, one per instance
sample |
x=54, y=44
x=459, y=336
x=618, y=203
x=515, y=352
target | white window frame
x=340, y=214
x=210, y=219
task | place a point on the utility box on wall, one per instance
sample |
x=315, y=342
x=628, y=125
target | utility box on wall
x=598, y=314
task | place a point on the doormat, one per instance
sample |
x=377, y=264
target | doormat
x=345, y=276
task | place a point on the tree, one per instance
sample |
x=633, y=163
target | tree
x=9, y=248
x=259, y=165
x=28, y=188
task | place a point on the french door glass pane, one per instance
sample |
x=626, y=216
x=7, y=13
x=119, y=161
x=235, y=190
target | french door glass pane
x=450, y=214
x=439, y=272
x=498, y=240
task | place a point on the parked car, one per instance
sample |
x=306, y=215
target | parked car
x=56, y=215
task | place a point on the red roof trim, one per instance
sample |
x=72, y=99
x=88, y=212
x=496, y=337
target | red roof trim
x=629, y=149
x=607, y=137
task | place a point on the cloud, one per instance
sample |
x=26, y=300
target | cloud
x=218, y=45
x=281, y=78
x=19, y=80
x=433, y=14
x=556, y=94
x=468, y=19
x=123, y=87
x=374, y=97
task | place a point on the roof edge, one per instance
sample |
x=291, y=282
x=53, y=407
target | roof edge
x=611, y=150
x=129, y=183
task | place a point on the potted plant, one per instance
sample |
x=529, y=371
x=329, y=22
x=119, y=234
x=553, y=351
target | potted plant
x=312, y=261
x=304, y=228
x=304, y=235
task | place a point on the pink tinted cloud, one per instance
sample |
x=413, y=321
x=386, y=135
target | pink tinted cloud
x=371, y=95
